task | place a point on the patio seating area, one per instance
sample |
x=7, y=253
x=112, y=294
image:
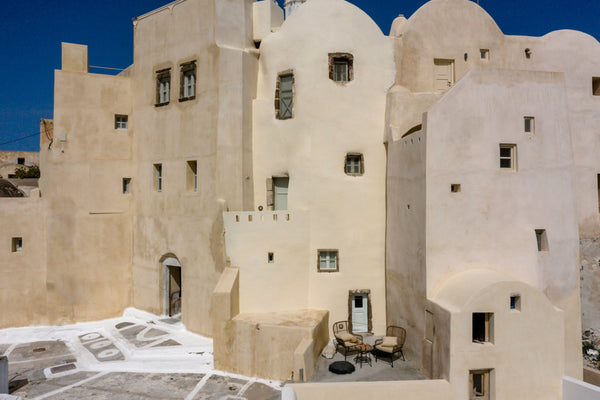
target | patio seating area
x=389, y=365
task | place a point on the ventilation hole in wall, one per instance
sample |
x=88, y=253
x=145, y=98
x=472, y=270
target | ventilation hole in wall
x=237, y=218
x=249, y=218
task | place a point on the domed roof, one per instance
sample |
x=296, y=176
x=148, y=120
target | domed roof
x=451, y=21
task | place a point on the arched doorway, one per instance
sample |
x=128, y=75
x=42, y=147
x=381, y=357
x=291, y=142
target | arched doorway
x=172, y=287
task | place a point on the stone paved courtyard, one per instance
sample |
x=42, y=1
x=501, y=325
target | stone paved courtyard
x=137, y=356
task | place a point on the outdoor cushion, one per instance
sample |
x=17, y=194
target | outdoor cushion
x=346, y=337
x=341, y=367
x=350, y=344
x=387, y=349
x=390, y=341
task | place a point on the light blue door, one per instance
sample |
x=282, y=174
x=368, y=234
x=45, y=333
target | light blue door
x=360, y=313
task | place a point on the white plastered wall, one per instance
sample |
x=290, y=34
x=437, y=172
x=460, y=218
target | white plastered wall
x=347, y=213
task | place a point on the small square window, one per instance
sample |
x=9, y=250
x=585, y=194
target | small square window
x=187, y=91
x=192, y=176
x=17, y=244
x=126, y=185
x=163, y=87
x=483, y=327
x=484, y=54
x=542, y=239
x=480, y=387
x=508, y=156
x=596, y=86
x=341, y=68
x=515, y=302
x=20, y=160
x=271, y=258
x=354, y=164
x=120, y=121
x=529, y=125
x=284, y=95
x=328, y=261
x=455, y=187
x=158, y=177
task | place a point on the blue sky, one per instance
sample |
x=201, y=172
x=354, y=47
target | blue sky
x=32, y=30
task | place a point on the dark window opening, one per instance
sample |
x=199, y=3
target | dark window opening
x=515, y=302
x=596, y=86
x=17, y=244
x=483, y=327
x=542, y=239
x=341, y=67
x=20, y=160
x=354, y=164
x=126, y=185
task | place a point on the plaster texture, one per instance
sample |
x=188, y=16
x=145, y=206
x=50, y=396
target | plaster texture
x=432, y=229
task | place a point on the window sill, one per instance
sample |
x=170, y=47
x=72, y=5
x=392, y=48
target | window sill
x=349, y=174
x=186, y=98
x=328, y=271
x=161, y=104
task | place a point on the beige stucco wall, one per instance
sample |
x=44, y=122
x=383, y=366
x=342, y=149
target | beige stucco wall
x=518, y=355
x=405, y=249
x=23, y=283
x=330, y=119
x=457, y=30
x=510, y=202
x=273, y=345
x=213, y=129
x=88, y=220
x=249, y=238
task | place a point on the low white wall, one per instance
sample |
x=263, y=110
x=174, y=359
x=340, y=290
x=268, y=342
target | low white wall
x=574, y=389
x=407, y=390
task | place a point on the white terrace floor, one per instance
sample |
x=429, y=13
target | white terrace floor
x=137, y=356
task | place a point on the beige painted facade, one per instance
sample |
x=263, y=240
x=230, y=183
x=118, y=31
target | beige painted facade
x=260, y=175
x=10, y=161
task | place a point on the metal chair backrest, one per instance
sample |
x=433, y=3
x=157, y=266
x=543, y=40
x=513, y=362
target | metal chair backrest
x=397, y=331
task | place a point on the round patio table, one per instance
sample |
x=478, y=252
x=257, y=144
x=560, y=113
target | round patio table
x=364, y=354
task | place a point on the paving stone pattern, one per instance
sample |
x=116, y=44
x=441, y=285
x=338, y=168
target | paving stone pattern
x=50, y=369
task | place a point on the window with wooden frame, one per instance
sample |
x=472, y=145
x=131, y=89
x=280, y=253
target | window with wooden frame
x=483, y=327
x=354, y=164
x=121, y=121
x=187, y=81
x=341, y=67
x=163, y=86
x=480, y=384
x=327, y=261
x=508, y=157
x=284, y=95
